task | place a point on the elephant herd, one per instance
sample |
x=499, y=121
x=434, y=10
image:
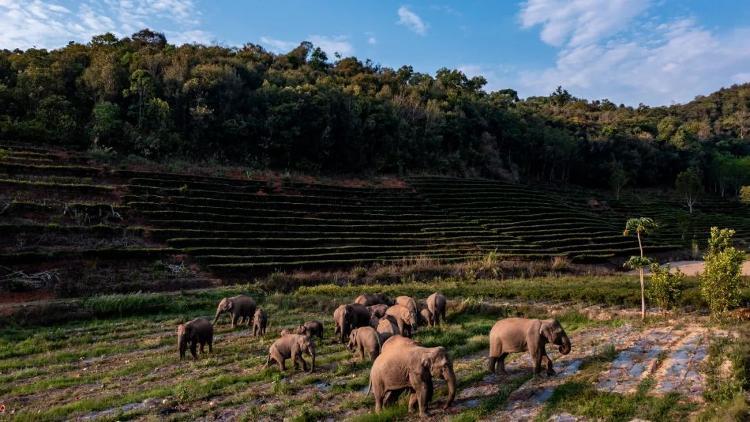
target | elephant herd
x=379, y=328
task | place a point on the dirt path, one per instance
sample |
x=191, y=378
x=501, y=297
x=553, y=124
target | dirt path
x=694, y=268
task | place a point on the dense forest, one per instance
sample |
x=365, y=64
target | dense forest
x=304, y=111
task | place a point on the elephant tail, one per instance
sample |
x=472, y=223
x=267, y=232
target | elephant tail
x=369, y=388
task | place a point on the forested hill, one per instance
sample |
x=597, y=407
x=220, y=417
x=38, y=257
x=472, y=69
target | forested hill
x=307, y=112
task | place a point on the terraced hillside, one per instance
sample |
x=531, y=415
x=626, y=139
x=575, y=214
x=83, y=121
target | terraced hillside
x=64, y=212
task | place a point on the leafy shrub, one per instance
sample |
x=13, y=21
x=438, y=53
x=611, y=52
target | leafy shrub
x=665, y=287
x=721, y=281
x=3, y=154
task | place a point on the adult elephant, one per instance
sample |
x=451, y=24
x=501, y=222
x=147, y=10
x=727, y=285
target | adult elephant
x=411, y=304
x=406, y=320
x=369, y=299
x=241, y=308
x=348, y=317
x=405, y=365
x=512, y=335
x=436, y=303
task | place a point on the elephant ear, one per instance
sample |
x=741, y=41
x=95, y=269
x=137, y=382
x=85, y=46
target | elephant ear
x=547, y=330
x=228, y=306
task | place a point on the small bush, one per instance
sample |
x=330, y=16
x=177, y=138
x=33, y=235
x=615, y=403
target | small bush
x=721, y=280
x=665, y=287
x=3, y=154
x=560, y=263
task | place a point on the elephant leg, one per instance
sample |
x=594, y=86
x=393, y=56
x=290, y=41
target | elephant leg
x=193, y=347
x=491, y=364
x=537, y=362
x=550, y=365
x=203, y=344
x=378, y=399
x=210, y=345
x=302, y=361
x=501, y=363
x=234, y=320
x=275, y=355
x=413, y=401
x=423, y=398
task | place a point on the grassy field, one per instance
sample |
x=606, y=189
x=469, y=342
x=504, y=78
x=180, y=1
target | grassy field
x=124, y=363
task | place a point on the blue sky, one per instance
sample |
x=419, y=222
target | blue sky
x=630, y=51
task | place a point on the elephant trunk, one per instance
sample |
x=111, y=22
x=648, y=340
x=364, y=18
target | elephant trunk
x=450, y=379
x=216, y=318
x=565, y=346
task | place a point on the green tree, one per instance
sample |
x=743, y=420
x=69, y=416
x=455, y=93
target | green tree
x=665, y=287
x=641, y=226
x=106, y=125
x=721, y=280
x=689, y=184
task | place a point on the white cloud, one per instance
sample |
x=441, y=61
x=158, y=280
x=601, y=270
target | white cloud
x=331, y=45
x=372, y=40
x=411, y=20
x=615, y=50
x=49, y=24
x=577, y=22
x=278, y=46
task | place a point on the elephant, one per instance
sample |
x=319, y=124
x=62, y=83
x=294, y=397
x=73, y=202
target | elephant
x=405, y=365
x=387, y=327
x=521, y=334
x=374, y=321
x=436, y=303
x=426, y=317
x=198, y=331
x=311, y=328
x=406, y=320
x=260, y=322
x=369, y=299
x=364, y=339
x=410, y=304
x=292, y=346
x=348, y=317
x=241, y=307
x=377, y=310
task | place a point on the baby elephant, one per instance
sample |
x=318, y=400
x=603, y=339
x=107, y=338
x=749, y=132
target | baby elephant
x=292, y=346
x=260, y=322
x=521, y=334
x=198, y=331
x=364, y=340
x=311, y=328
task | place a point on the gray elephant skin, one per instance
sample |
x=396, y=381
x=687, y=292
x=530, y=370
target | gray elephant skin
x=404, y=365
x=241, y=308
x=369, y=299
x=311, y=328
x=364, y=341
x=260, y=322
x=292, y=346
x=349, y=317
x=513, y=335
x=199, y=331
x=437, y=303
x=405, y=318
